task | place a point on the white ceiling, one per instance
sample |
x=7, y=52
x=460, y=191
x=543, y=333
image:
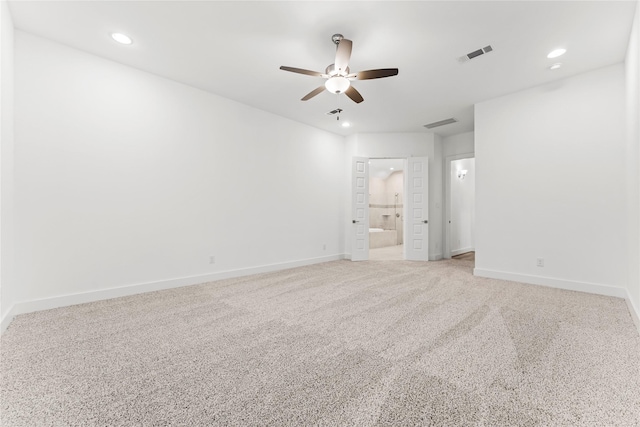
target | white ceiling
x=382, y=168
x=235, y=48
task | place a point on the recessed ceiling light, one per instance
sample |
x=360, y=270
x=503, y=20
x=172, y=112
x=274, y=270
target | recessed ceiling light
x=390, y=168
x=556, y=53
x=121, y=38
x=346, y=124
x=556, y=66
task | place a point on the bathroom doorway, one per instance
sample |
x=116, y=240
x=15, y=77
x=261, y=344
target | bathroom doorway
x=386, y=209
x=460, y=207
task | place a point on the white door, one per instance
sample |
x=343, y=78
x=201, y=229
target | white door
x=416, y=243
x=360, y=209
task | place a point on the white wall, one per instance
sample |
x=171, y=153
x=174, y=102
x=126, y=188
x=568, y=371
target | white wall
x=125, y=178
x=550, y=184
x=6, y=163
x=461, y=143
x=632, y=64
x=401, y=145
x=463, y=206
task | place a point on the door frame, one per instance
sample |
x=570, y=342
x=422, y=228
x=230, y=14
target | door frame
x=404, y=206
x=447, y=194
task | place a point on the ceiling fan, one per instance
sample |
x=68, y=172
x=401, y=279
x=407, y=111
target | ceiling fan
x=338, y=74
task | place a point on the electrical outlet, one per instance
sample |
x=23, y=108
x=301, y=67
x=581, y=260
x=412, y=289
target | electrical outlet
x=212, y=259
x=540, y=262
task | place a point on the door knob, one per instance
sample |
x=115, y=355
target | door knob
x=354, y=221
x=426, y=221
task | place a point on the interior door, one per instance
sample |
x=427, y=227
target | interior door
x=360, y=209
x=416, y=246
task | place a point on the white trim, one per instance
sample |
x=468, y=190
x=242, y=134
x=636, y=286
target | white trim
x=30, y=306
x=592, y=288
x=633, y=311
x=7, y=319
x=446, y=170
x=571, y=285
x=85, y=297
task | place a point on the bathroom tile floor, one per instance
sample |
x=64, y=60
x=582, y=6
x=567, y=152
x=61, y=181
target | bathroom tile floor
x=388, y=253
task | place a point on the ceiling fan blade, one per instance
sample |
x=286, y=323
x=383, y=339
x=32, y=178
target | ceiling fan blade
x=343, y=54
x=374, y=74
x=303, y=71
x=354, y=95
x=313, y=93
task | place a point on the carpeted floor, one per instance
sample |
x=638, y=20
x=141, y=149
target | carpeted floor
x=337, y=344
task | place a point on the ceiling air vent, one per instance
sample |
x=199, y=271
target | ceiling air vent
x=440, y=123
x=475, y=53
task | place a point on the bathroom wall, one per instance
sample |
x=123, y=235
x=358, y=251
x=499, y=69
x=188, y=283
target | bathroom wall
x=383, y=205
x=395, y=185
x=377, y=202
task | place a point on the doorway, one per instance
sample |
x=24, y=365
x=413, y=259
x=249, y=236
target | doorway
x=386, y=209
x=414, y=215
x=460, y=207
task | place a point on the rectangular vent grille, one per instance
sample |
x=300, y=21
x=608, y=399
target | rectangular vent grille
x=440, y=123
x=475, y=53
x=336, y=111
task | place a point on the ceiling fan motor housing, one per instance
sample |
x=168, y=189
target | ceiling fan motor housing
x=331, y=70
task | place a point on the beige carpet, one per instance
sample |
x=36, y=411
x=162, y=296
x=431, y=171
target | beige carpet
x=338, y=344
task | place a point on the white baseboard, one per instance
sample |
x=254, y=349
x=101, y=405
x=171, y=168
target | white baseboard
x=23, y=307
x=592, y=288
x=7, y=319
x=633, y=311
x=435, y=257
x=571, y=285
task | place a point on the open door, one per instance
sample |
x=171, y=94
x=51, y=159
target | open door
x=416, y=242
x=360, y=209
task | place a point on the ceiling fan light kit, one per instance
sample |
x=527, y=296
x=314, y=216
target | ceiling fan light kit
x=338, y=75
x=337, y=84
